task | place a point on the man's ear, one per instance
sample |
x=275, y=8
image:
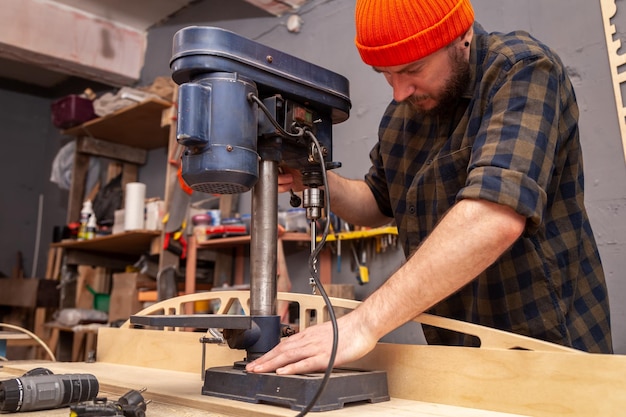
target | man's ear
x=466, y=38
x=462, y=43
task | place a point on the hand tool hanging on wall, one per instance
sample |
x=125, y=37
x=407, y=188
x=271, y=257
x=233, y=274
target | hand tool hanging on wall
x=362, y=271
x=179, y=204
x=174, y=224
x=175, y=220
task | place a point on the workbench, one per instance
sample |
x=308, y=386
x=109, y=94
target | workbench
x=509, y=375
x=177, y=394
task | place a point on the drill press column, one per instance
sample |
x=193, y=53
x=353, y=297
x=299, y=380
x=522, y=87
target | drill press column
x=263, y=247
x=263, y=244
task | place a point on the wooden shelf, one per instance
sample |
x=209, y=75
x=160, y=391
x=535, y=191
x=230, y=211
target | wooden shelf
x=133, y=242
x=226, y=242
x=137, y=125
x=238, y=243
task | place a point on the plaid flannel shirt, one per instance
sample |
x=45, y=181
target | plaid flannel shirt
x=513, y=140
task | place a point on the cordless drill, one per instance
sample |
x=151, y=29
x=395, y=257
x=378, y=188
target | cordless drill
x=40, y=389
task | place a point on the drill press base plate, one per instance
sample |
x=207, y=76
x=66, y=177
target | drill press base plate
x=296, y=391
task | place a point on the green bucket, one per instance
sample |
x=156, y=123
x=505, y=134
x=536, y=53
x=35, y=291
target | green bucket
x=100, y=300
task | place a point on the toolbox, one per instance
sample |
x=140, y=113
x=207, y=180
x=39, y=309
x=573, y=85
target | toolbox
x=71, y=110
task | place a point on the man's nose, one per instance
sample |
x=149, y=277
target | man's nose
x=402, y=87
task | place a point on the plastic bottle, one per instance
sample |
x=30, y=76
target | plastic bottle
x=85, y=213
x=90, y=233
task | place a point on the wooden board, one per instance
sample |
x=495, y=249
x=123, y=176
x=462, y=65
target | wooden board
x=542, y=380
x=133, y=242
x=616, y=62
x=536, y=383
x=522, y=382
x=28, y=292
x=549, y=381
x=179, y=394
x=137, y=125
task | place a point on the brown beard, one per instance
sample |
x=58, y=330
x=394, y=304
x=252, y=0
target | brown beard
x=454, y=87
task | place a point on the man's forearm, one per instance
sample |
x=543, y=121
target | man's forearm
x=469, y=239
x=353, y=201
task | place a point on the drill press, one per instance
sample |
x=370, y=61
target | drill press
x=243, y=110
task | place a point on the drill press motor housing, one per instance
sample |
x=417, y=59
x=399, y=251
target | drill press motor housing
x=222, y=128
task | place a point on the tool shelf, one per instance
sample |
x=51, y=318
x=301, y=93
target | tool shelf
x=123, y=137
x=138, y=125
x=224, y=242
x=114, y=251
x=238, y=243
x=133, y=242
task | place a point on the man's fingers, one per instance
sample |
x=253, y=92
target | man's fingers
x=264, y=364
x=289, y=356
x=287, y=366
x=273, y=359
x=304, y=366
x=285, y=182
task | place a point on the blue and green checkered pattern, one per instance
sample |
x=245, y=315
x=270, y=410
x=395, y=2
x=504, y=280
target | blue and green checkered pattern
x=513, y=139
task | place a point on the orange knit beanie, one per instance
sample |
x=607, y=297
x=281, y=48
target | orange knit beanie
x=397, y=32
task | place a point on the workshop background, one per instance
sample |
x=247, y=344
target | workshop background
x=324, y=33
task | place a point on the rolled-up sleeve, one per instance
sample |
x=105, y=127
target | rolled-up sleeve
x=513, y=155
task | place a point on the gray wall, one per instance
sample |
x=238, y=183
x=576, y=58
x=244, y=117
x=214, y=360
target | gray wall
x=28, y=145
x=572, y=27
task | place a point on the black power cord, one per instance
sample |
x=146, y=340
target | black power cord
x=315, y=274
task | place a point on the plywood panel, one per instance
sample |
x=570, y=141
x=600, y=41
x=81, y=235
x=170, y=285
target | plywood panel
x=180, y=392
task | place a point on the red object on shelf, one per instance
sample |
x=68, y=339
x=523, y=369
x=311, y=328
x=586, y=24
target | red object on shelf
x=226, y=230
x=71, y=111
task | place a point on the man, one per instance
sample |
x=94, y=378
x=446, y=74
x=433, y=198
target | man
x=479, y=163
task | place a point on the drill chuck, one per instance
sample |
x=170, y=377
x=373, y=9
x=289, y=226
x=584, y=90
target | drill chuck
x=42, y=392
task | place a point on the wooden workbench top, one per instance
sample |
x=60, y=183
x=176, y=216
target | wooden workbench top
x=177, y=394
x=537, y=378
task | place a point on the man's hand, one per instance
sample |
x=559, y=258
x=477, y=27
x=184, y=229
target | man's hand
x=309, y=350
x=289, y=179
